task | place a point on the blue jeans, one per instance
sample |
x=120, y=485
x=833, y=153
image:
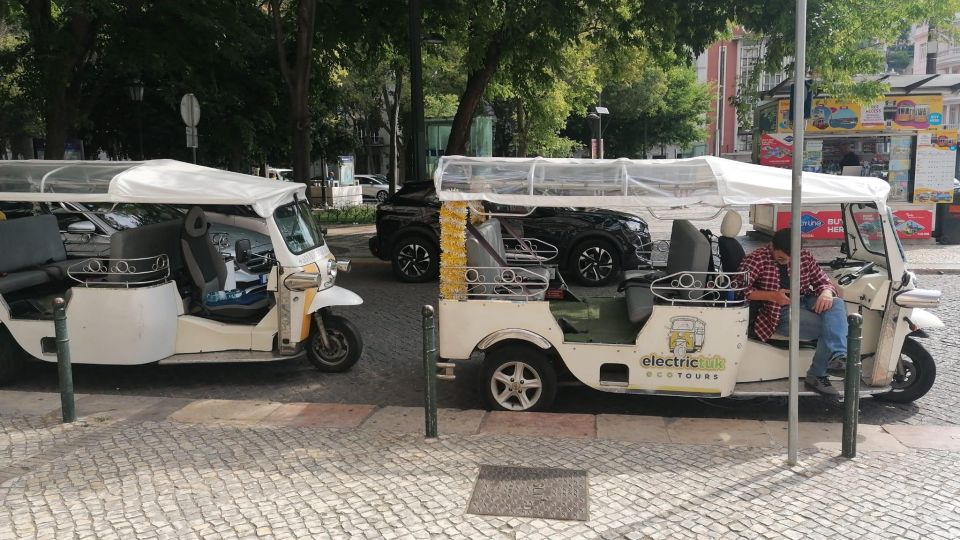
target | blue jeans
x=828, y=328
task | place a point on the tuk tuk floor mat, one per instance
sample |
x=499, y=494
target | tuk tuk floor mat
x=597, y=320
x=547, y=493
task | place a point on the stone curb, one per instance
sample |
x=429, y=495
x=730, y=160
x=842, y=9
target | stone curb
x=545, y=426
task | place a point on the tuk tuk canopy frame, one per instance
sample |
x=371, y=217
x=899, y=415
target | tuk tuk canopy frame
x=654, y=184
x=161, y=181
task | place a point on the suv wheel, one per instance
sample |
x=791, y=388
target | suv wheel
x=595, y=262
x=415, y=259
x=382, y=196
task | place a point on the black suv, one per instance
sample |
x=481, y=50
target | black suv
x=594, y=245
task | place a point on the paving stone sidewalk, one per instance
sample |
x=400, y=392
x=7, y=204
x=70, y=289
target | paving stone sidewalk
x=160, y=468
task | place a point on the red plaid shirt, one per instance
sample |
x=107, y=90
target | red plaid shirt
x=762, y=274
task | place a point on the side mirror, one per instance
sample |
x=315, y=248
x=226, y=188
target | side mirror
x=323, y=230
x=82, y=227
x=241, y=250
x=845, y=248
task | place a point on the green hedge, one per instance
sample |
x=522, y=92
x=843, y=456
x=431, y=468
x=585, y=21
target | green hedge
x=350, y=214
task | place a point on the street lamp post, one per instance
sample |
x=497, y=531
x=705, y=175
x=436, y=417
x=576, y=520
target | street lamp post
x=136, y=95
x=595, y=117
x=933, y=48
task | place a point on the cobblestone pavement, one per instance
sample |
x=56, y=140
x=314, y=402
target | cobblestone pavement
x=390, y=371
x=162, y=479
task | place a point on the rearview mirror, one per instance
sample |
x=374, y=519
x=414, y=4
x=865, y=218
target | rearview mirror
x=82, y=227
x=242, y=250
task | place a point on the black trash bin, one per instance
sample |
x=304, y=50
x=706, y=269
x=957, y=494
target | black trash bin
x=948, y=219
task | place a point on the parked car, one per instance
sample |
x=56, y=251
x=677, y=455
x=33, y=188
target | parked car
x=374, y=186
x=594, y=245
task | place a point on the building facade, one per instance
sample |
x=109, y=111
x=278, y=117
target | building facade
x=948, y=62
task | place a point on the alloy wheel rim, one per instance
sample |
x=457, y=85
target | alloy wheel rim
x=595, y=263
x=516, y=386
x=381, y=196
x=414, y=260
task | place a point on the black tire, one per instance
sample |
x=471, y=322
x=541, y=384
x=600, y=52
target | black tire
x=346, y=345
x=415, y=259
x=534, y=364
x=919, y=373
x=382, y=196
x=11, y=356
x=595, y=262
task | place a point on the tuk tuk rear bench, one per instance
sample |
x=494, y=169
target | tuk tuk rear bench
x=31, y=253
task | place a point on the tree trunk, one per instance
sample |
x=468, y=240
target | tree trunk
x=62, y=50
x=521, y=133
x=297, y=77
x=393, y=115
x=476, y=84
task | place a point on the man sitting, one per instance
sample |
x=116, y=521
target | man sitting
x=823, y=315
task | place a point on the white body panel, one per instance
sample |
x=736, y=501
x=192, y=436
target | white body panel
x=924, y=319
x=653, y=367
x=110, y=326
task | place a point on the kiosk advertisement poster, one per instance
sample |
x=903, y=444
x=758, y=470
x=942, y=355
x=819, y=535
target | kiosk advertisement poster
x=835, y=116
x=776, y=150
x=936, y=161
x=828, y=224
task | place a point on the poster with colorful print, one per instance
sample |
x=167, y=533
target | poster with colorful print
x=936, y=166
x=776, y=150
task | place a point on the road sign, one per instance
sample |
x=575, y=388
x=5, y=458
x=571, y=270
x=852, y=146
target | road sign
x=190, y=110
x=193, y=137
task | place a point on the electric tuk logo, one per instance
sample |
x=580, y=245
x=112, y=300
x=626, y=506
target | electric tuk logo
x=809, y=223
x=685, y=337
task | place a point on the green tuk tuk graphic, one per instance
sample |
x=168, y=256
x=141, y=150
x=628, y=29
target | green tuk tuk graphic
x=686, y=335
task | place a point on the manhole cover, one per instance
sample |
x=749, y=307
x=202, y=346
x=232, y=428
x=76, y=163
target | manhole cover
x=530, y=492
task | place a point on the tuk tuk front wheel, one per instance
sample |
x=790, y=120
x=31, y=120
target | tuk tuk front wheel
x=915, y=374
x=11, y=356
x=518, y=378
x=345, y=345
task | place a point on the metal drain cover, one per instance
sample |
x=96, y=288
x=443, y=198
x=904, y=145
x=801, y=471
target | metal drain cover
x=531, y=492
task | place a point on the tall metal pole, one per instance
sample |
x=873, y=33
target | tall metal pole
x=416, y=97
x=799, y=123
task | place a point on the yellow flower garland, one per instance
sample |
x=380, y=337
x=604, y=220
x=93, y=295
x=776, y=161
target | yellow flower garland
x=453, y=250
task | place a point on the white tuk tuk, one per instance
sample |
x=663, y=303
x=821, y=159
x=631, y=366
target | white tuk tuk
x=158, y=295
x=684, y=331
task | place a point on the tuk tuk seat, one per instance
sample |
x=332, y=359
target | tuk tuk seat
x=488, y=266
x=32, y=253
x=689, y=252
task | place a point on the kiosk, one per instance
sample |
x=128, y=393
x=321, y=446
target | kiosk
x=901, y=138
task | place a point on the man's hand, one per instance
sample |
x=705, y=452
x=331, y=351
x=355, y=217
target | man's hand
x=824, y=302
x=780, y=298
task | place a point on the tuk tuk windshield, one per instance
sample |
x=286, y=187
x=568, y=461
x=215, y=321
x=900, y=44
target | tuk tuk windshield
x=299, y=227
x=870, y=227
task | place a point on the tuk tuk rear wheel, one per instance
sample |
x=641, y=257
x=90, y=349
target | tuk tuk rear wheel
x=518, y=378
x=11, y=356
x=914, y=376
x=345, y=345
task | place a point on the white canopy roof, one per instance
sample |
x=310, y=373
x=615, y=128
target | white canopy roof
x=654, y=184
x=161, y=181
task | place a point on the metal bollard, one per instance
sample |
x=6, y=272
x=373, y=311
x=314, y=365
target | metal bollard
x=851, y=387
x=430, y=371
x=64, y=368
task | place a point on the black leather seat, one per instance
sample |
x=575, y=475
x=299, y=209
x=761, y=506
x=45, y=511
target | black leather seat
x=208, y=272
x=689, y=252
